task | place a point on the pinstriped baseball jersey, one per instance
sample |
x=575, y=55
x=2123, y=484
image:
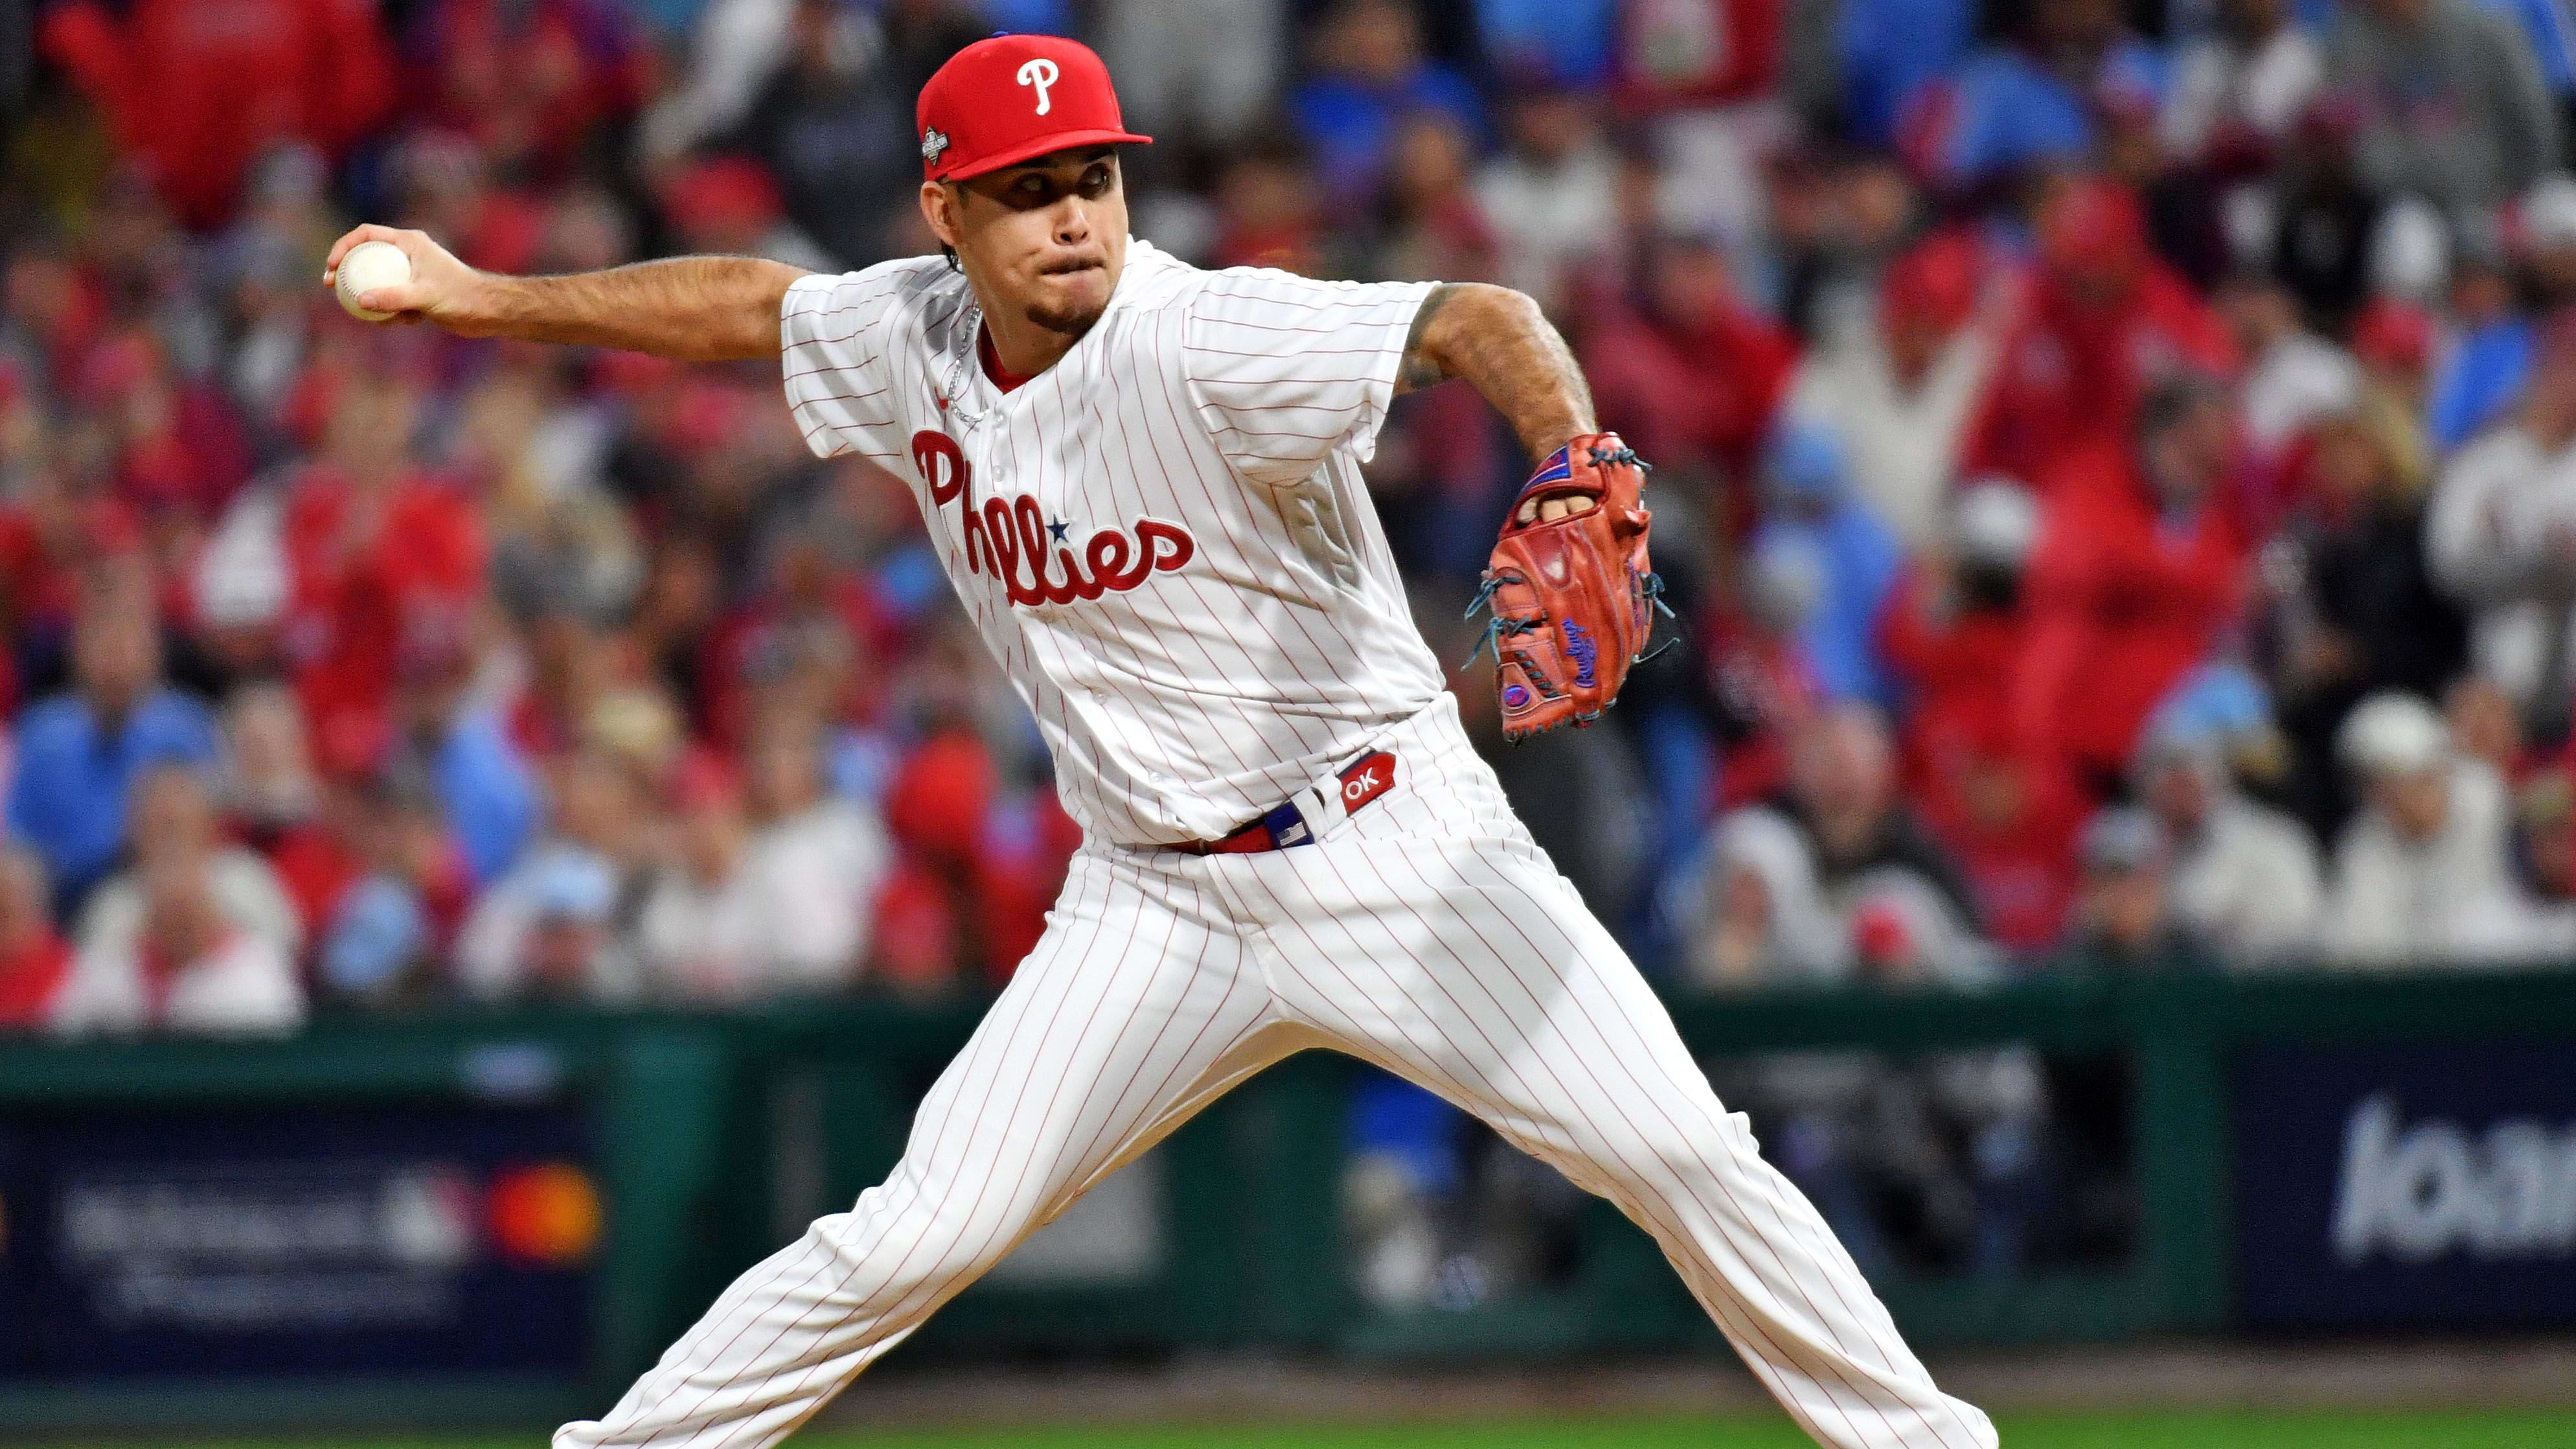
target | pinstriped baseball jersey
x=1164, y=537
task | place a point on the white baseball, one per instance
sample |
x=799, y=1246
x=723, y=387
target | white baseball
x=369, y=265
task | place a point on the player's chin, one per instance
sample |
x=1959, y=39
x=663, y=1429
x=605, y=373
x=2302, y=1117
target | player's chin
x=1070, y=301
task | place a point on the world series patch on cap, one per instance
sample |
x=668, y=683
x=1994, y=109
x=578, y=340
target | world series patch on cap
x=1010, y=98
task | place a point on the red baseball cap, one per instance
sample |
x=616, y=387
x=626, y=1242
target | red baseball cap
x=2390, y=333
x=2092, y=228
x=1935, y=282
x=705, y=778
x=1004, y=100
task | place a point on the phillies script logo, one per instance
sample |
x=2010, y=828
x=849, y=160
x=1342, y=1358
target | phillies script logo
x=1009, y=540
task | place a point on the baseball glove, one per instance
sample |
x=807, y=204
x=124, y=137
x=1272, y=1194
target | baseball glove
x=1571, y=595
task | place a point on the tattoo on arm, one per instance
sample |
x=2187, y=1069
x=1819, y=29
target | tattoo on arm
x=1498, y=340
x=1420, y=368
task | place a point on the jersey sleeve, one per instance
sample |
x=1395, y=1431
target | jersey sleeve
x=835, y=344
x=1283, y=370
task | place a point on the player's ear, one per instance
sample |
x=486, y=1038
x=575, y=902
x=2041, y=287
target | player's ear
x=939, y=211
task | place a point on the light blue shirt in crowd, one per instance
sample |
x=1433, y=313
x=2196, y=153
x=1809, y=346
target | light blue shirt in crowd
x=68, y=797
x=2479, y=380
x=488, y=794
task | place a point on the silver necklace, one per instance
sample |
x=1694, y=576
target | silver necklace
x=971, y=326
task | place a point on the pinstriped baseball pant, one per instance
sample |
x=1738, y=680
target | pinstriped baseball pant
x=1426, y=934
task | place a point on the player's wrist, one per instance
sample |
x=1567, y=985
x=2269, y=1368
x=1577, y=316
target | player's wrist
x=1582, y=434
x=1544, y=442
x=491, y=304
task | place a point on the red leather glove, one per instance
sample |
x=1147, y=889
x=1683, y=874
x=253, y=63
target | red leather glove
x=1572, y=595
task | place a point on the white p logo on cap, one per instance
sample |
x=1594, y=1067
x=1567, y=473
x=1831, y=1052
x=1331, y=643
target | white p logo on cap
x=1040, y=73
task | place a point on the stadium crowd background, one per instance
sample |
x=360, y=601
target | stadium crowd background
x=2117, y=470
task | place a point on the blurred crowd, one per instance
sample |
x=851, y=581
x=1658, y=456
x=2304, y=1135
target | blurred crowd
x=2116, y=468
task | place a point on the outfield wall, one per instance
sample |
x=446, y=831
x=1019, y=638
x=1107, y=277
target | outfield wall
x=504, y=1216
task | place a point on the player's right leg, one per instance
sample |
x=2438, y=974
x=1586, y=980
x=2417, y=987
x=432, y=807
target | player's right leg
x=1431, y=936
x=1137, y=1008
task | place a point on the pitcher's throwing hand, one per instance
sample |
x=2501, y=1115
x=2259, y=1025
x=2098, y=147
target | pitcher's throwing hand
x=441, y=288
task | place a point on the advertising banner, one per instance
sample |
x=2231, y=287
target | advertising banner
x=2417, y=1185
x=400, y=1237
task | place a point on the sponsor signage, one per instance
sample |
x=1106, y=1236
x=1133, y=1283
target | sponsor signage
x=2420, y=1185
x=398, y=1237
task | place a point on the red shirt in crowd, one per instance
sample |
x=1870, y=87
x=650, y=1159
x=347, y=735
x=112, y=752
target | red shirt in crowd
x=31, y=976
x=980, y=874
x=35, y=593
x=1955, y=667
x=182, y=453
x=2124, y=600
x=2010, y=821
x=381, y=572
x=2102, y=322
x=314, y=866
x=1705, y=387
x=198, y=87
x=2007, y=816
x=529, y=80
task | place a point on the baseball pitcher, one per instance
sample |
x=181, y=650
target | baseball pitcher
x=1144, y=480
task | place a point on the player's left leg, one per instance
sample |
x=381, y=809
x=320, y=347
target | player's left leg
x=1137, y=1008
x=1431, y=936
